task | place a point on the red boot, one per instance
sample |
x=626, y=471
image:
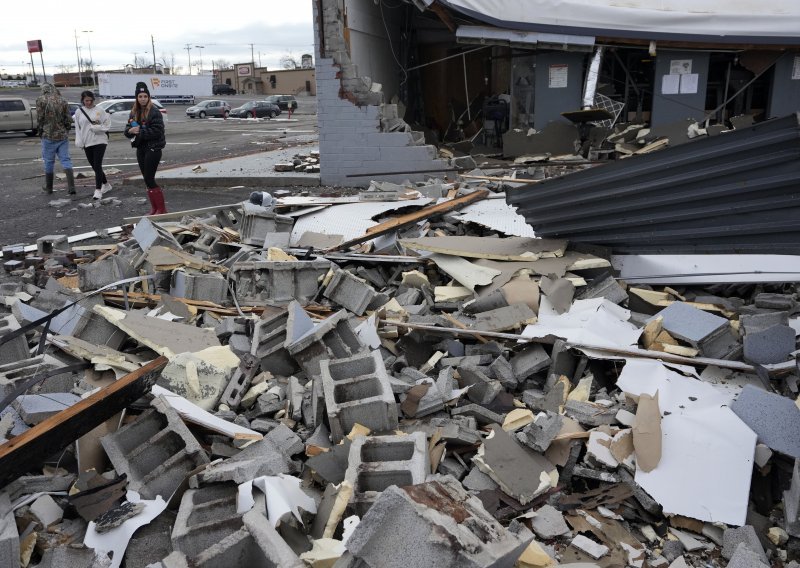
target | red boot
x=156, y=197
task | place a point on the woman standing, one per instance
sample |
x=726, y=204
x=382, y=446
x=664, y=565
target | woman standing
x=91, y=134
x=145, y=129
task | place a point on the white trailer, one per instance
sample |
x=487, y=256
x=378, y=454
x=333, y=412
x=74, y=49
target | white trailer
x=164, y=88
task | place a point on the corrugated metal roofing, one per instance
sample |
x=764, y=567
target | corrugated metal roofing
x=738, y=192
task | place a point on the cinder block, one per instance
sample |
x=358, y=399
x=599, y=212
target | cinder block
x=357, y=391
x=733, y=537
x=404, y=518
x=277, y=282
x=376, y=462
x=209, y=287
x=483, y=389
x=156, y=451
x=350, y=292
x=16, y=349
x=94, y=275
x=258, y=222
x=35, y=408
x=205, y=517
x=47, y=244
x=540, y=433
x=240, y=382
x=269, y=345
x=791, y=503
x=530, y=360
x=264, y=457
x=9, y=537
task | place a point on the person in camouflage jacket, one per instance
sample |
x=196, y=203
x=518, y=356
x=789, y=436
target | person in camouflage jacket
x=54, y=123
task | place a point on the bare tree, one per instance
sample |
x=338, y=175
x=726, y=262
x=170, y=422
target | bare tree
x=140, y=61
x=289, y=61
x=177, y=70
x=168, y=61
x=222, y=64
x=64, y=68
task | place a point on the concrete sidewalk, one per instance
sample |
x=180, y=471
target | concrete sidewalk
x=252, y=170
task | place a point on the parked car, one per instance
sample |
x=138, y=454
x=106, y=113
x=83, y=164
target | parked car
x=210, y=107
x=285, y=102
x=223, y=89
x=73, y=108
x=18, y=115
x=120, y=109
x=256, y=109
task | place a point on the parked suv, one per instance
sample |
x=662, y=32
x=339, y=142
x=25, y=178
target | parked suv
x=256, y=109
x=210, y=107
x=223, y=89
x=285, y=102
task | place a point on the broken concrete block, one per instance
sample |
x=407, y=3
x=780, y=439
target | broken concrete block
x=205, y=517
x=476, y=480
x=482, y=389
x=357, y=391
x=772, y=345
x=257, y=222
x=506, y=318
x=200, y=377
x=774, y=418
x=530, y=360
x=350, y=292
x=156, y=451
x=590, y=547
x=540, y=433
x=376, y=462
x=239, y=382
x=46, y=511
x=47, y=244
x=15, y=349
x=746, y=535
x=422, y=399
x=208, y=287
x=277, y=282
x=482, y=415
x=604, y=287
x=405, y=518
x=521, y=473
x=744, y=557
x=549, y=523
x=269, y=344
x=94, y=275
x=35, y=408
x=263, y=457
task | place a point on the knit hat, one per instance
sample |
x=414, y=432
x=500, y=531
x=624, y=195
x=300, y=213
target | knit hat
x=47, y=88
x=141, y=88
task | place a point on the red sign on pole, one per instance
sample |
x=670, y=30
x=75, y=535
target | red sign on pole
x=34, y=46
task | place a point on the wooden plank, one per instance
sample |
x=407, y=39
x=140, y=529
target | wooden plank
x=30, y=449
x=492, y=178
x=411, y=218
x=140, y=299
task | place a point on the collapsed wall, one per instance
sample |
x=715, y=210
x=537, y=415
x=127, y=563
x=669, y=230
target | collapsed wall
x=359, y=131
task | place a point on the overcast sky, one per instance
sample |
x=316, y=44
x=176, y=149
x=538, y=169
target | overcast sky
x=122, y=29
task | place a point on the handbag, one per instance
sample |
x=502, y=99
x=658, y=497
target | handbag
x=92, y=121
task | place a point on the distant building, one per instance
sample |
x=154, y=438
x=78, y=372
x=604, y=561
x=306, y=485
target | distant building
x=249, y=79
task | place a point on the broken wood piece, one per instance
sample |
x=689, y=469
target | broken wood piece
x=460, y=325
x=31, y=448
x=138, y=299
x=411, y=218
x=501, y=179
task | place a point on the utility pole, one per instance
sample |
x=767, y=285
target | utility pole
x=78, y=53
x=200, y=47
x=188, y=49
x=153, y=43
x=94, y=72
x=253, y=68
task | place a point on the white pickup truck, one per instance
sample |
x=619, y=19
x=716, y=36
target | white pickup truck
x=18, y=115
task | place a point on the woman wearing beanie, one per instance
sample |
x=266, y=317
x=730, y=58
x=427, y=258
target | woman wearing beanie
x=91, y=134
x=145, y=129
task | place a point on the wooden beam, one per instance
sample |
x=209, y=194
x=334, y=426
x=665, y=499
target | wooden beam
x=140, y=299
x=411, y=218
x=30, y=449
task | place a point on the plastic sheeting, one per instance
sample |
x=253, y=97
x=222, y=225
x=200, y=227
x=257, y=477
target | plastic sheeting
x=727, y=21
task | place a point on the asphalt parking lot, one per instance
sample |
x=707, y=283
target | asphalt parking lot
x=25, y=213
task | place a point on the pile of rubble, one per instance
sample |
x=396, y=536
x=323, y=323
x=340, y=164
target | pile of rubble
x=307, y=163
x=416, y=381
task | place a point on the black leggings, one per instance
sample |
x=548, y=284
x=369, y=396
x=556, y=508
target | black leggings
x=95, y=156
x=148, y=165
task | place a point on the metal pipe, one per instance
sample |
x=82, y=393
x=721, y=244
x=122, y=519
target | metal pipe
x=591, y=79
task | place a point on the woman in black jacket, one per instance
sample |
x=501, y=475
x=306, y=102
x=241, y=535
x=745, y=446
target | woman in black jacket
x=145, y=128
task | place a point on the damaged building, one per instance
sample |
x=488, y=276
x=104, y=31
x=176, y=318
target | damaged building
x=412, y=89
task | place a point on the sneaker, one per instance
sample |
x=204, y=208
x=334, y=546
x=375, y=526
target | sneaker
x=106, y=188
x=97, y=194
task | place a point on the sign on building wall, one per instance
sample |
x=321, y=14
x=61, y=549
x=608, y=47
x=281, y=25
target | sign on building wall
x=244, y=70
x=558, y=76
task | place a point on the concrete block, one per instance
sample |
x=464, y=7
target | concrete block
x=743, y=557
x=239, y=382
x=156, y=451
x=590, y=547
x=15, y=349
x=9, y=537
x=34, y=408
x=205, y=517
x=376, y=462
x=94, y=275
x=350, y=292
x=540, y=433
x=752, y=323
x=746, y=535
x=507, y=318
x=357, y=391
x=257, y=222
x=590, y=414
x=502, y=370
x=14, y=374
x=774, y=418
x=530, y=360
x=772, y=345
x=209, y=287
x=263, y=457
x=269, y=345
x=150, y=543
x=69, y=556
x=706, y=332
x=481, y=414
x=404, y=519
x=791, y=503
x=562, y=362
x=549, y=523
x=604, y=287
x=482, y=389
x=47, y=244
x=277, y=282
x=476, y=480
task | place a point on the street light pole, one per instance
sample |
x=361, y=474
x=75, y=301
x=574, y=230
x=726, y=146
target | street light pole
x=94, y=72
x=200, y=47
x=78, y=53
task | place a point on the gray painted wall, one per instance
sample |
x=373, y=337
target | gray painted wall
x=671, y=108
x=551, y=102
x=785, y=91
